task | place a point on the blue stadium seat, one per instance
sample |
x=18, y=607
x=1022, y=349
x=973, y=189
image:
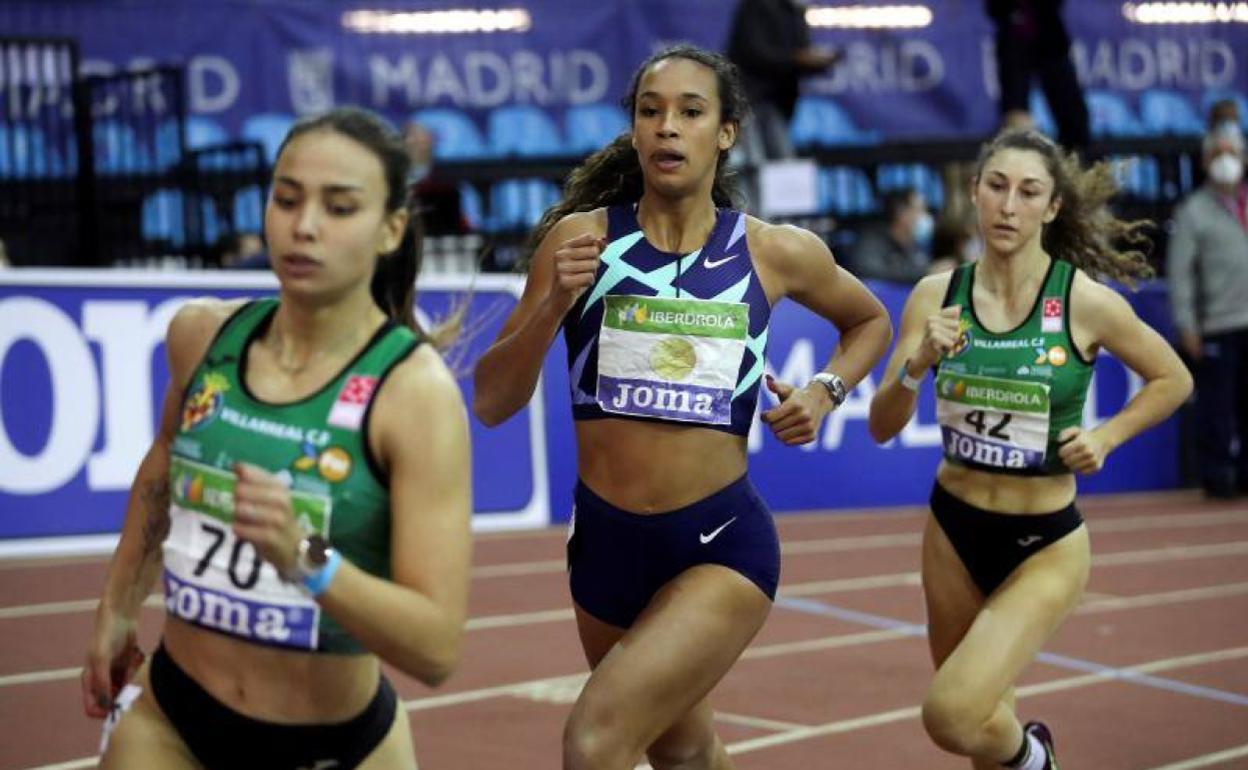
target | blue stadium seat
x=269, y=129
x=162, y=217
x=248, y=212
x=517, y=204
x=894, y=176
x=1166, y=112
x=845, y=191
x=118, y=149
x=591, y=127
x=523, y=130
x=1111, y=117
x=26, y=154
x=455, y=135
x=1038, y=106
x=203, y=132
x=1138, y=175
x=822, y=122
x=470, y=206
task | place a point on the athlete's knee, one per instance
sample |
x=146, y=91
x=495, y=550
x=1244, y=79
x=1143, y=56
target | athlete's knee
x=684, y=752
x=954, y=722
x=591, y=743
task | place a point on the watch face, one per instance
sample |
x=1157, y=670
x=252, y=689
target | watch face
x=318, y=550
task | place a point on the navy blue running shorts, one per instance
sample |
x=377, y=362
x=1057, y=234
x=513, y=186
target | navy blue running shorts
x=619, y=560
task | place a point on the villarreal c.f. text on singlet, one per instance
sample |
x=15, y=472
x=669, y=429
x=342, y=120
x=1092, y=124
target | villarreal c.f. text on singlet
x=317, y=446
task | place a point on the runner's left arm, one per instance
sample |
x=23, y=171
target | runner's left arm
x=1111, y=323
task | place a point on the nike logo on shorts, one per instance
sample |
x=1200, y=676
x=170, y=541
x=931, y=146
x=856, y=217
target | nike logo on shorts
x=1026, y=541
x=711, y=264
x=704, y=539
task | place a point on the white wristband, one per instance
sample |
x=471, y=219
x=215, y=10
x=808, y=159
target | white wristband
x=908, y=382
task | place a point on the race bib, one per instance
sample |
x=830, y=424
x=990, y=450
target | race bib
x=215, y=580
x=675, y=359
x=993, y=422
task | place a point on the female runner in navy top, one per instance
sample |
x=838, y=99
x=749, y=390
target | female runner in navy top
x=664, y=294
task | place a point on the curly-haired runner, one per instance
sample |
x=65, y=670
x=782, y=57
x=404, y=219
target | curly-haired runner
x=664, y=294
x=1012, y=339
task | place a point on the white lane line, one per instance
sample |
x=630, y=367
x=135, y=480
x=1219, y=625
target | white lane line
x=759, y=722
x=35, y=677
x=1207, y=760
x=897, y=715
x=1164, y=598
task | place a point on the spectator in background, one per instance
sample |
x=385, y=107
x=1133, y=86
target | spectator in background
x=4, y=256
x=437, y=200
x=770, y=44
x=1224, y=115
x=954, y=243
x=897, y=250
x=1032, y=42
x=241, y=251
x=1208, y=273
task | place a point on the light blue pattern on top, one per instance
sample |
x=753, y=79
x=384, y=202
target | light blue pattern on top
x=618, y=270
x=755, y=345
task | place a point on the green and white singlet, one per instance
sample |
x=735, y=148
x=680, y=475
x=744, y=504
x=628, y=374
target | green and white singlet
x=318, y=445
x=1003, y=398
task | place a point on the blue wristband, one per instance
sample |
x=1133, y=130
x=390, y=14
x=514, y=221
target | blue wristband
x=316, y=584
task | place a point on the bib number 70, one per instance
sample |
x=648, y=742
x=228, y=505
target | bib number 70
x=241, y=578
x=978, y=419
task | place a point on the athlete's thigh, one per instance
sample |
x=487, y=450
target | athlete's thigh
x=395, y=752
x=1018, y=618
x=681, y=645
x=145, y=738
x=694, y=728
x=952, y=598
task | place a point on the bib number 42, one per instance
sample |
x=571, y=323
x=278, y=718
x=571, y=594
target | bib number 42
x=978, y=419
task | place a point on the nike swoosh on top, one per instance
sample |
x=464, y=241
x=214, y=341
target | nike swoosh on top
x=711, y=264
x=704, y=539
x=1026, y=541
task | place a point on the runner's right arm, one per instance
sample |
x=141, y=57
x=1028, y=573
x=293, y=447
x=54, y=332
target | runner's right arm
x=563, y=267
x=113, y=655
x=926, y=333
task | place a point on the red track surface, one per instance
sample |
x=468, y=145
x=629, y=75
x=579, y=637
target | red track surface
x=819, y=688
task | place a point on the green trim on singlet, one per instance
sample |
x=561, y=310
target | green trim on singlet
x=317, y=443
x=1038, y=352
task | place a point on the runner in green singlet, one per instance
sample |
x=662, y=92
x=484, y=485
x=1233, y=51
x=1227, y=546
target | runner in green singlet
x=306, y=501
x=1012, y=338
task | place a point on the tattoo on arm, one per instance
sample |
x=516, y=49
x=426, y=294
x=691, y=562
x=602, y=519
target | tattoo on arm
x=154, y=501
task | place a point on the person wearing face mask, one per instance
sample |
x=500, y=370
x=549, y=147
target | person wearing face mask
x=898, y=250
x=1208, y=273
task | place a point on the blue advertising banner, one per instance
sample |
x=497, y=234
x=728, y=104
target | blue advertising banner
x=82, y=372
x=552, y=85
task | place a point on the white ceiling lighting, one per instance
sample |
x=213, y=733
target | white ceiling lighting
x=869, y=16
x=448, y=22
x=1186, y=13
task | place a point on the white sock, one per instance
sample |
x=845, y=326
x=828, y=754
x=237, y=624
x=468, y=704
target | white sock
x=1036, y=755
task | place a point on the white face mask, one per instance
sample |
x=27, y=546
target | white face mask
x=1226, y=169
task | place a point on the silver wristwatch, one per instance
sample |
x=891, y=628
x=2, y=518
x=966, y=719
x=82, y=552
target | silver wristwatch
x=908, y=382
x=314, y=553
x=834, y=385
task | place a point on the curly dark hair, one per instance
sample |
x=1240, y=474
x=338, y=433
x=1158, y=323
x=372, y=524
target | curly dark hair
x=1085, y=232
x=612, y=175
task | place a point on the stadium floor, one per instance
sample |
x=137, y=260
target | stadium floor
x=1151, y=673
